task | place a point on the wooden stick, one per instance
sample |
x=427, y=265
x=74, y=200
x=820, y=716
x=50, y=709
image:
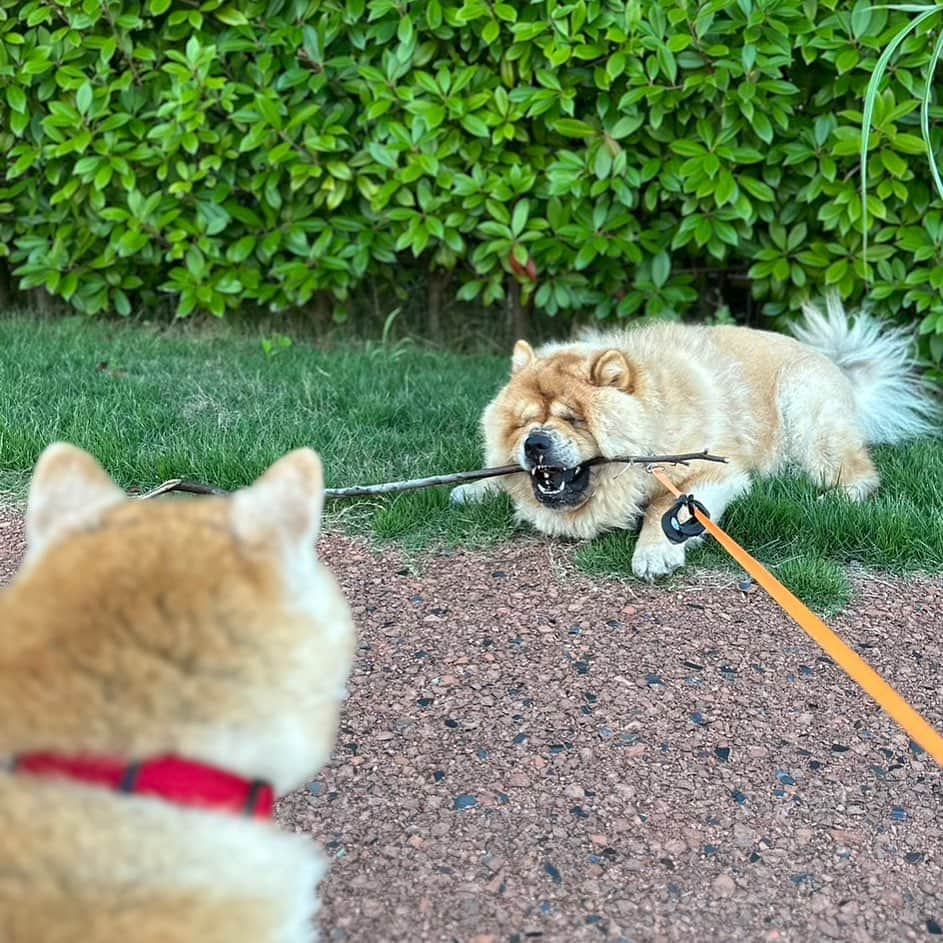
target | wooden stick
x=395, y=487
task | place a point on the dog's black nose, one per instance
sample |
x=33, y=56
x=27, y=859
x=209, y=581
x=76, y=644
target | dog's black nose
x=537, y=446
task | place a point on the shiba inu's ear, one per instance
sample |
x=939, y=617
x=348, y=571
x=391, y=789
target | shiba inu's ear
x=68, y=491
x=285, y=503
x=522, y=357
x=612, y=369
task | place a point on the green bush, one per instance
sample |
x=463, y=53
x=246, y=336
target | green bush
x=613, y=157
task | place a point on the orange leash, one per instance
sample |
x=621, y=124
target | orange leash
x=846, y=658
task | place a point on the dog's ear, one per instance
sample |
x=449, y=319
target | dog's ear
x=611, y=368
x=522, y=357
x=69, y=490
x=283, y=505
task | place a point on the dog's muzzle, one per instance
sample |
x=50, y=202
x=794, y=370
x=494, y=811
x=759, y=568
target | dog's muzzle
x=556, y=482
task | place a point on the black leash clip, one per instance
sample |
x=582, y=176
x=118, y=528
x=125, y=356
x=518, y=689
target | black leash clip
x=679, y=531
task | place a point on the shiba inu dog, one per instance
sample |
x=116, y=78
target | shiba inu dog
x=167, y=669
x=767, y=402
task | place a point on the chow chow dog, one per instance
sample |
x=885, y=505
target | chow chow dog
x=166, y=670
x=767, y=402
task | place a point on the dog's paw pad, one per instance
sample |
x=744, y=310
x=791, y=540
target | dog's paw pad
x=652, y=561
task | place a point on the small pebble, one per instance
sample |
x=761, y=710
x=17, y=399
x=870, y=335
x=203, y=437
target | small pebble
x=724, y=885
x=934, y=928
x=464, y=801
x=898, y=814
x=722, y=753
x=785, y=779
x=738, y=797
x=913, y=857
x=553, y=872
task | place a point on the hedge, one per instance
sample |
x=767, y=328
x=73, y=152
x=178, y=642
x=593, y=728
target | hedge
x=605, y=155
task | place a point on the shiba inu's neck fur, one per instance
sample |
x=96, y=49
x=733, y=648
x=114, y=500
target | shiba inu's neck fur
x=87, y=865
x=202, y=628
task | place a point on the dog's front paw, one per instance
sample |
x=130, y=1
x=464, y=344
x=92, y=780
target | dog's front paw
x=650, y=561
x=471, y=493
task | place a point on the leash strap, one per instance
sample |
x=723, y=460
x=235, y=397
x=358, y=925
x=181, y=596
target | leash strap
x=913, y=723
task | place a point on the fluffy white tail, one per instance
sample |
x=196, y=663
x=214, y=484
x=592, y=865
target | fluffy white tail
x=893, y=403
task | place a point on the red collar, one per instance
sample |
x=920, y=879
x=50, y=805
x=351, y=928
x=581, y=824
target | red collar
x=168, y=777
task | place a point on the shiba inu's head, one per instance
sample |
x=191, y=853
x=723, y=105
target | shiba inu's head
x=562, y=407
x=204, y=627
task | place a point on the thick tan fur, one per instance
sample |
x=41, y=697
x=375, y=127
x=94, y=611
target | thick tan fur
x=765, y=401
x=205, y=628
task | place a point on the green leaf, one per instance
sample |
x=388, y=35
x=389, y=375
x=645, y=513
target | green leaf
x=231, y=16
x=475, y=125
x=836, y=272
x=16, y=98
x=519, y=217
x=893, y=163
x=83, y=98
x=847, y=60
x=573, y=128
x=758, y=189
x=585, y=255
x=661, y=269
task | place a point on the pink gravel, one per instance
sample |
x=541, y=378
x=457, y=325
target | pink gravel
x=531, y=754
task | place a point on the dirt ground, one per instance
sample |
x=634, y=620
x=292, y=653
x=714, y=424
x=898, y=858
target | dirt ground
x=530, y=754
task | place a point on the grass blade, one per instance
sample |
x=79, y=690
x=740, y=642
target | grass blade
x=925, y=114
x=869, y=98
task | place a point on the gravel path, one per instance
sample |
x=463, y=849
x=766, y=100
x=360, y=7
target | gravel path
x=529, y=754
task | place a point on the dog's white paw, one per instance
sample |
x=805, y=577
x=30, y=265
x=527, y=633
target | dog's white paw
x=471, y=493
x=650, y=561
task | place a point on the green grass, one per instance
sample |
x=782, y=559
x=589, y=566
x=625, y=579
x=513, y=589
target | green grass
x=802, y=536
x=214, y=407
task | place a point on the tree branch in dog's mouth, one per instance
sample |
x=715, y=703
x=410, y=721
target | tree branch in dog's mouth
x=394, y=487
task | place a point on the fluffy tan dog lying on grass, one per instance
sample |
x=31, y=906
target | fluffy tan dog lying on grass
x=166, y=668
x=767, y=402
